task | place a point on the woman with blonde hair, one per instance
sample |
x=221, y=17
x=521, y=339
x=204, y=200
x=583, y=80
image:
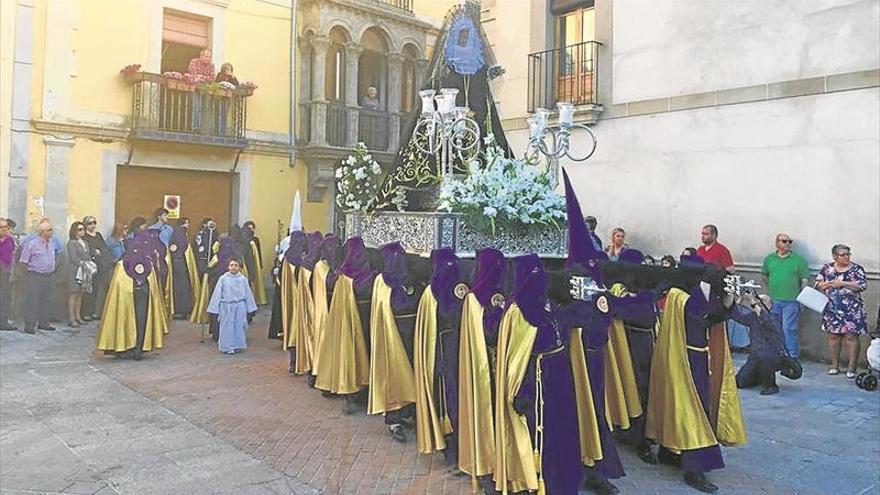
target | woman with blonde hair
x=618, y=244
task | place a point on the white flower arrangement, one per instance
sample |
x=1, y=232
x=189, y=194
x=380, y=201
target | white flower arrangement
x=358, y=179
x=506, y=193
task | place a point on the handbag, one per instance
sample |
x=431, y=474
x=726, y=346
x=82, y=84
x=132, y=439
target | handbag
x=813, y=299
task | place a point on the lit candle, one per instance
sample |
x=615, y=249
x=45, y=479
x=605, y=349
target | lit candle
x=566, y=112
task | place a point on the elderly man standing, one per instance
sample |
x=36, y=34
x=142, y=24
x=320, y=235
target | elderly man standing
x=7, y=249
x=785, y=272
x=38, y=257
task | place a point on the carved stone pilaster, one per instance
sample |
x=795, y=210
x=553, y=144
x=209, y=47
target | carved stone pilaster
x=320, y=178
x=353, y=53
x=319, y=69
x=319, y=123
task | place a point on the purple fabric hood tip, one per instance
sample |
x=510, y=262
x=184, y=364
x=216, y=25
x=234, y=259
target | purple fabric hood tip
x=530, y=283
x=229, y=249
x=297, y=248
x=357, y=262
x=313, y=249
x=581, y=251
x=329, y=247
x=394, y=271
x=446, y=273
x=488, y=274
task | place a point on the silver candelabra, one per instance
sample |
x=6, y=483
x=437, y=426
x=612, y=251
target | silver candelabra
x=446, y=129
x=554, y=144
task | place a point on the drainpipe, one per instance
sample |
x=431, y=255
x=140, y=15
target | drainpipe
x=292, y=127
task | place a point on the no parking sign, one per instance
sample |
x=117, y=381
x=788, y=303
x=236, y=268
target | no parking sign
x=172, y=204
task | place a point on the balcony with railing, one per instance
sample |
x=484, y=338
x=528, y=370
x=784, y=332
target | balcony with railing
x=406, y=5
x=178, y=111
x=569, y=73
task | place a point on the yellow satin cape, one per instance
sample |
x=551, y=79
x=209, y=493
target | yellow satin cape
x=301, y=321
x=345, y=365
x=320, y=311
x=476, y=430
x=118, y=330
x=199, y=313
x=168, y=289
x=725, y=409
x=621, y=393
x=392, y=382
x=288, y=306
x=192, y=273
x=675, y=414
x=259, y=285
x=588, y=424
x=432, y=422
x=515, y=463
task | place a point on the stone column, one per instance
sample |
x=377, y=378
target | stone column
x=353, y=53
x=395, y=64
x=57, y=180
x=319, y=101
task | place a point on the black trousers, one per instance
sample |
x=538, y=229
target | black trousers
x=758, y=370
x=141, y=310
x=5, y=297
x=93, y=304
x=38, y=296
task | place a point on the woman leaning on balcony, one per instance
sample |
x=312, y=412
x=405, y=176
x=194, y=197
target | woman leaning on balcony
x=226, y=75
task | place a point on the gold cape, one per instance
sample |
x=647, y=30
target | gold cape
x=675, y=414
x=345, y=365
x=432, y=421
x=167, y=290
x=118, y=330
x=515, y=463
x=200, y=304
x=476, y=431
x=258, y=285
x=192, y=273
x=301, y=321
x=392, y=383
x=319, y=313
x=588, y=424
x=288, y=306
x=621, y=393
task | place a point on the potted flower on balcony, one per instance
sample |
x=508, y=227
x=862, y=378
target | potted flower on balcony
x=177, y=81
x=247, y=88
x=215, y=89
x=132, y=73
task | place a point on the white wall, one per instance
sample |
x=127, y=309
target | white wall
x=675, y=47
x=808, y=166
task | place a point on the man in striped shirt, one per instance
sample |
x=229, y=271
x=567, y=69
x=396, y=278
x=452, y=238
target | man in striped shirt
x=38, y=256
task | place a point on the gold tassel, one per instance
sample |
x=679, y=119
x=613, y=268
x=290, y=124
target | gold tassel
x=537, y=456
x=446, y=425
x=475, y=485
x=541, y=489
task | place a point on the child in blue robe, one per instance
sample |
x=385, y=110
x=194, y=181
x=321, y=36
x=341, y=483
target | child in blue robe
x=232, y=302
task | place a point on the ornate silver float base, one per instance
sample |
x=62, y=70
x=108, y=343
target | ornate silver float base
x=422, y=232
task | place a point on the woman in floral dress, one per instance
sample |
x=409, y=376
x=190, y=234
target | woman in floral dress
x=844, y=318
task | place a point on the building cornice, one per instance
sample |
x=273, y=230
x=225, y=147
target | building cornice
x=376, y=9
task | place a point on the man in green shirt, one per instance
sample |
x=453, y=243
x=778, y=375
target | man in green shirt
x=785, y=273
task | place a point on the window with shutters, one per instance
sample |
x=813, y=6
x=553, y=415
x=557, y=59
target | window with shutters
x=184, y=35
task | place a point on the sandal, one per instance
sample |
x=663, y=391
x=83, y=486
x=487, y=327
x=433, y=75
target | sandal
x=833, y=371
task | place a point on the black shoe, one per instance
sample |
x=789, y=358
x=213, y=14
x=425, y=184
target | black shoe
x=8, y=327
x=646, y=455
x=670, y=459
x=48, y=328
x=398, y=433
x=138, y=355
x=770, y=390
x=699, y=481
x=311, y=379
x=601, y=486
x=349, y=407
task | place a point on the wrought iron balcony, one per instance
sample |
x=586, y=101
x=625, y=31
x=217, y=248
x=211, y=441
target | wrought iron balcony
x=406, y=5
x=177, y=111
x=567, y=74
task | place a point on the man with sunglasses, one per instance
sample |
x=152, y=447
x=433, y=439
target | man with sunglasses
x=785, y=272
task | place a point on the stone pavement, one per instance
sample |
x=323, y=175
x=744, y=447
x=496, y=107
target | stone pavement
x=188, y=420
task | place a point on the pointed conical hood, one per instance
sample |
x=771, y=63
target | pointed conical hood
x=581, y=251
x=296, y=222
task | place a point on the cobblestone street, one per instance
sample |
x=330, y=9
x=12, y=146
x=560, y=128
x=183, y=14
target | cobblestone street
x=188, y=420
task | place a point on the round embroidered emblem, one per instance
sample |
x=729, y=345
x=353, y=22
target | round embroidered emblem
x=497, y=300
x=602, y=304
x=139, y=268
x=173, y=248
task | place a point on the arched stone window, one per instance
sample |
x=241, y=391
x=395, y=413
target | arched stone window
x=408, y=90
x=373, y=66
x=334, y=79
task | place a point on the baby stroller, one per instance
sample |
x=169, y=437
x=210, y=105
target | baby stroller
x=867, y=380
